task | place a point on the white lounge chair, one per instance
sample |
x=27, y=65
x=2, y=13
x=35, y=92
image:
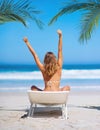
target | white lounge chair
x=48, y=98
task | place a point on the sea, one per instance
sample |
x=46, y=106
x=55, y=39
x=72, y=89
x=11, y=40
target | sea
x=21, y=77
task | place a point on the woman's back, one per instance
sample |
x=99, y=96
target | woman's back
x=52, y=83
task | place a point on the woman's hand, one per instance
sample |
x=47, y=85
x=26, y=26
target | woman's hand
x=59, y=32
x=25, y=39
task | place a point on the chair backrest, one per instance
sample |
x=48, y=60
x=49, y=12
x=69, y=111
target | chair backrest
x=48, y=97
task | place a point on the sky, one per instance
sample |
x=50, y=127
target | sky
x=14, y=51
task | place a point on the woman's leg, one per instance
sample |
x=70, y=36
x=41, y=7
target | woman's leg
x=65, y=88
x=35, y=88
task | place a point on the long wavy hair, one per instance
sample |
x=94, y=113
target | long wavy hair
x=50, y=64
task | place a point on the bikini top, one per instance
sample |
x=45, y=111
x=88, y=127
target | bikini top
x=49, y=83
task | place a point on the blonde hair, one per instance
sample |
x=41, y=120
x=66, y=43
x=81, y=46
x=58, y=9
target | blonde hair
x=50, y=64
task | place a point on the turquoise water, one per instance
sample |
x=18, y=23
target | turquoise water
x=22, y=77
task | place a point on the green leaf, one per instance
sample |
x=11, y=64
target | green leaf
x=20, y=11
x=89, y=22
x=90, y=18
x=70, y=8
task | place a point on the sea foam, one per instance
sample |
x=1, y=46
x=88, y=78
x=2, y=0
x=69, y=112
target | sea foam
x=66, y=74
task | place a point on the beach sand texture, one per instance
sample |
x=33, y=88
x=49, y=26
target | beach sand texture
x=83, y=113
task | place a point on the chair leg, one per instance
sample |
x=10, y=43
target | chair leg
x=30, y=110
x=64, y=111
x=32, y=113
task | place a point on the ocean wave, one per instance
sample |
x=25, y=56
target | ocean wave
x=66, y=74
x=81, y=74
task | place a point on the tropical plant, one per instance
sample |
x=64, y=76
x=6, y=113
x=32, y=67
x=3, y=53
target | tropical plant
x=20, y=10
x=90, y=17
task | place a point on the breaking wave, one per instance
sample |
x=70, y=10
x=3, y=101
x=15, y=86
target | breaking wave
x=66, y=74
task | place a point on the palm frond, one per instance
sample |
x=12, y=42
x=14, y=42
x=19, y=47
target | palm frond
x=90, y=19
x=70, y=8
x=89, y=22
x=21, y=11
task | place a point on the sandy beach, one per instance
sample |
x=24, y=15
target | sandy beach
x=83, y=113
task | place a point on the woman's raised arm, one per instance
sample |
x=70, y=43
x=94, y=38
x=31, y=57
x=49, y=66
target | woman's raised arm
x=39, y=64
x=60, y=56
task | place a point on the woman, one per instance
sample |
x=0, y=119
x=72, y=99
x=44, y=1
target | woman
x=51, y=69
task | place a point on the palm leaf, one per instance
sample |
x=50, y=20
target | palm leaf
x=20, y=11
x=70, y=8
x=89, y=22
x=90, y=18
